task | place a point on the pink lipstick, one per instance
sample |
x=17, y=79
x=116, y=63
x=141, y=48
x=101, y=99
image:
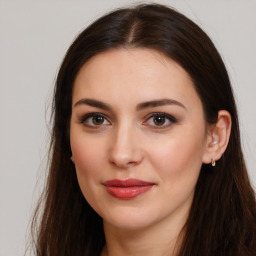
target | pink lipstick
x=127, y=189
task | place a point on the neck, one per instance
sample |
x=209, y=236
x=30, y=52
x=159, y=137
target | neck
x=157, y=240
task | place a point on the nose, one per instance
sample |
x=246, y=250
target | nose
x=125, y=147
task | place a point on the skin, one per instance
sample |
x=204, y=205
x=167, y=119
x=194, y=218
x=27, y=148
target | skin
x=130, y=144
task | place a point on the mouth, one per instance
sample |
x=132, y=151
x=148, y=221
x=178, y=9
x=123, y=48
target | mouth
x=127, y=189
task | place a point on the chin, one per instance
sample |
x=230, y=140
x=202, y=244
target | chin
x=129, y=225
x=130, y=219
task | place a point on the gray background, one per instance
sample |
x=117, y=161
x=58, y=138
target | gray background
x=34, y=36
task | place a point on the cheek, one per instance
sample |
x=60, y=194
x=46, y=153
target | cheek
x=87, y=158
x=88, y=163
x=178, y=171
x=180, y=156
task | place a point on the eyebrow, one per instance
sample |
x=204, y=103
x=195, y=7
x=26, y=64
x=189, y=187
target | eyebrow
x=157, y=103
x=93, y=103
x=141, y=106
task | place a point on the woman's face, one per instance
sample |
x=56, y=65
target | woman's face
x=138, y=137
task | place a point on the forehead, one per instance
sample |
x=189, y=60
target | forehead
x=146, y=62
x=133, y=74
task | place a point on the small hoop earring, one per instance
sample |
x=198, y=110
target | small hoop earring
x=213, y=162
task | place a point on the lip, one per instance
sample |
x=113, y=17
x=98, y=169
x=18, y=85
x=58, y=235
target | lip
x=127, y=189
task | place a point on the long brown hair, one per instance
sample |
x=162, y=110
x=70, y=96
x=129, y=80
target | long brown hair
x=222, y=220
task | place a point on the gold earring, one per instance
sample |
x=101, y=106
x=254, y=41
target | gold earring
x=213, y=162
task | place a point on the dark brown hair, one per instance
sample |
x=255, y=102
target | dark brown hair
x=222, y=220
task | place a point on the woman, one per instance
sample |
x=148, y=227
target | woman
x=145, y=154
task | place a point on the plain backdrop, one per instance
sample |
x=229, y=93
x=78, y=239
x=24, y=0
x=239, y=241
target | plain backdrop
x=34, y=36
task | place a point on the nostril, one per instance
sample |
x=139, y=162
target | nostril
x=131, y=163
x=123, y=164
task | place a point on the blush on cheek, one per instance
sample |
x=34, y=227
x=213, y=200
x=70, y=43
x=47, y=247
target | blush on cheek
x=89, y=167
x=84, y=154
x=179, y=157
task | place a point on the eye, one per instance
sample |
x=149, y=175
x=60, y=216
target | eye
x=94, y=120
x=160, y=120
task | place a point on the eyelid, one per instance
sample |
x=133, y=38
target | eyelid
x=170, y=118
x=93, y=114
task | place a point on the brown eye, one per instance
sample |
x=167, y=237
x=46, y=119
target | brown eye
x=159, y=120
x=94, y=120
x=98, y=120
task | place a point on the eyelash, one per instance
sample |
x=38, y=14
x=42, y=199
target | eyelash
x=170, y=119
x=85, y=118
x=166, y=117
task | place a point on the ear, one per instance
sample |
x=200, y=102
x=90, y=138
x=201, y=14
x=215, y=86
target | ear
x=217, y=137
